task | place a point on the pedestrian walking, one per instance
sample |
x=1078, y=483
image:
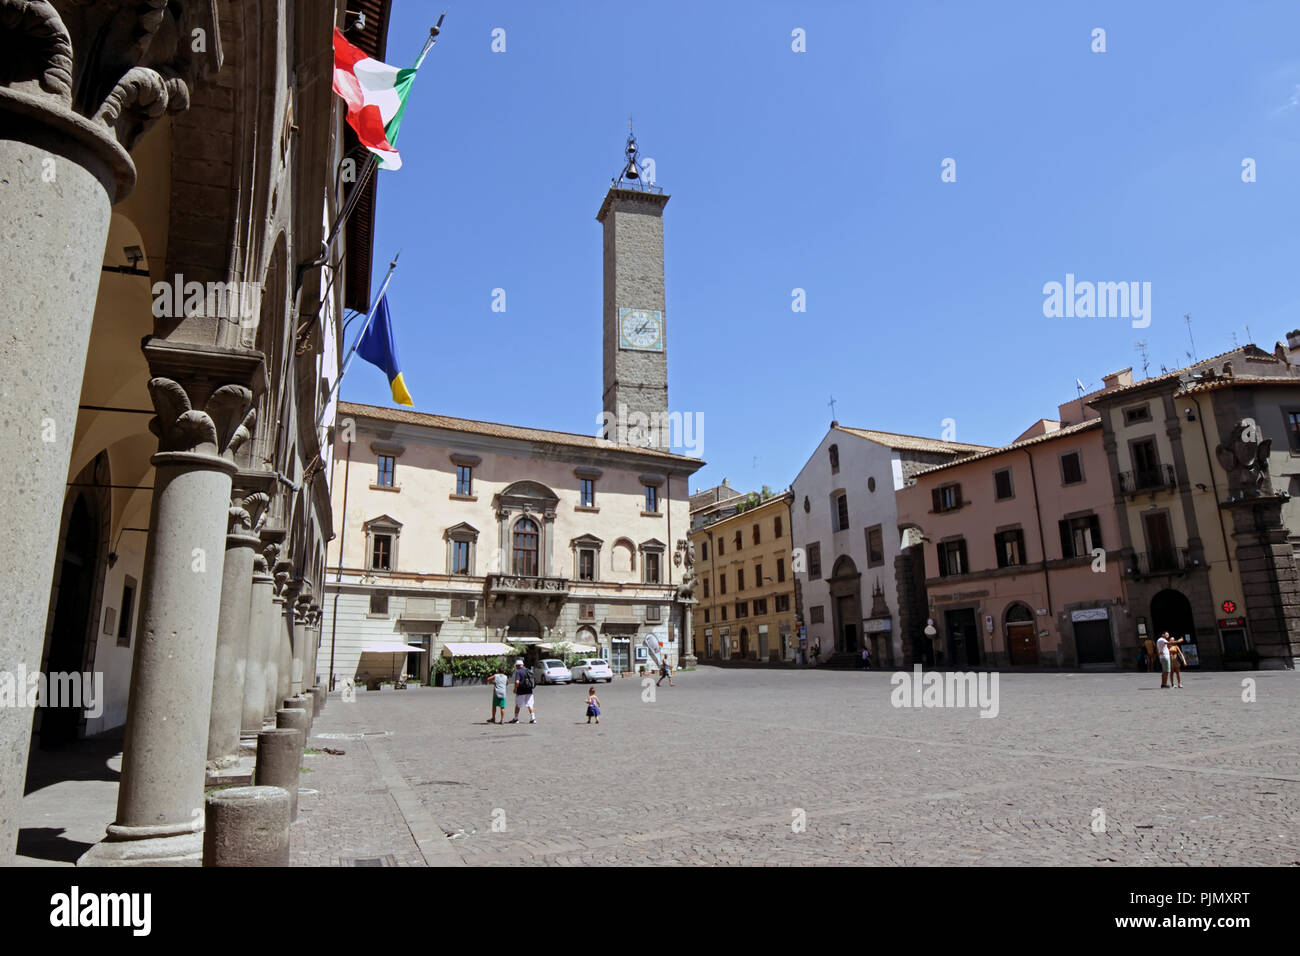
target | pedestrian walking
x=523, y=692
x=593, y=705
x=817, y=651
x=1151, y=653
x=664, y=671
x=866, y=658
x=497, y=715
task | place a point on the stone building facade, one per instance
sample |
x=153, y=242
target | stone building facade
x=1203, y=462
x=745, y=593
x=454, y=531
x=168, y=338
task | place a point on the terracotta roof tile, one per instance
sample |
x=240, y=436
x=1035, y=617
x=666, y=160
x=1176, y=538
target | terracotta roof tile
x=1014, y=446
x=498, y=430
x=912, y=442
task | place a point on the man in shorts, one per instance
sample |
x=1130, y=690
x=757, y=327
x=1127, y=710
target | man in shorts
x=1162, y=648
x=523, y=692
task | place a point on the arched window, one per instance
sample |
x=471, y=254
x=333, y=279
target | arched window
x=1019, y=614
x=525, y=547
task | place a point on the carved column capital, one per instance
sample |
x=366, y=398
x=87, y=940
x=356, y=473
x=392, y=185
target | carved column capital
x=220, y=429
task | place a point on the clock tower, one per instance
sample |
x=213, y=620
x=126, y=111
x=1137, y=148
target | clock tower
x=635, y=399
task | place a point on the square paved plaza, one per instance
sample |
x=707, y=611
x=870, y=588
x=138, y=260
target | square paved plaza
x=804, y=767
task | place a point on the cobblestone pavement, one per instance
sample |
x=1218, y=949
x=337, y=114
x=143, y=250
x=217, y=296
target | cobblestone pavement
x=1079, y=769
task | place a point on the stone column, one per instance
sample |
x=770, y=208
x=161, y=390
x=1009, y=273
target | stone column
x=64, y=162
x=301, y=641
x=233, y=640
x=313, y=645
x=160, y=796
x=259, y=665
x=290, y=675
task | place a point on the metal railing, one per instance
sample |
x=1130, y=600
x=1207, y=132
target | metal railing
x=1147, y=479
x=526, y=584
x=1170, y=561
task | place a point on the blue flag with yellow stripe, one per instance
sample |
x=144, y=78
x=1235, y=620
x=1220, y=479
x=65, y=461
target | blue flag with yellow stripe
x=377, y=348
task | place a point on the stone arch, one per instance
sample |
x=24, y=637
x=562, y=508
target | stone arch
x=622, y=556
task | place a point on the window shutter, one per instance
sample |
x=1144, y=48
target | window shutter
x=934, y=498
x=943, y=561
x=1067, y=542
x=1094, y=525
x=956, y=496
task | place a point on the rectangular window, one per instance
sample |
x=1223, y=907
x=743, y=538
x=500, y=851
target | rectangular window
x=586, y=612
x=760, y=607
x=706, y=587
x=651, y=499
x=1293, y=430
x=777, y=527
x=782, y=603
x=740, y=540
x=587, y=492
x=1080, y=535
x=653, y=613
x=1071, y=468
x=127, y=619
x=757, y=539
x=379, y=603
x=381, y=552
x=780, y=570
x=1139, y=413
x=1002, y=489
x=816, y=614
x=842, y=513
x=652, y=567
x=464, y=480
x=586, y=564
x=1146, y=464
x=740, y=579
x=875, y=547
x=758, y=575
x=722, y=546
x=946, y=498
x=460, y=557
x=1010, y=547
x=952, y=557
x=815, y=560
x=706, y=615
x=704, y=550
x=722, y=583
x=387, y=466
x=724, y=612
x=742, y=609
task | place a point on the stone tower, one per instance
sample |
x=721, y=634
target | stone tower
x=635, y=399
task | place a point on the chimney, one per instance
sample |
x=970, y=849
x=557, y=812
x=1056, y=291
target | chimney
x=1120, y=379
x=1293, y=344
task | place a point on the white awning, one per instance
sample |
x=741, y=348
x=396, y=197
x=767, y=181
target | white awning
x=392, y=647
x=477, y=649
x=579, y=648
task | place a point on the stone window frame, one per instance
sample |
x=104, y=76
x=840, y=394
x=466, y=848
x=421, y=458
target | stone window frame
x=631, y=554
x=534, y=500
x=963, y=556
x=371, y=613
x=656, y=547
x=880, y=530
x=386, y=449
x=587, y=542
x=1078, y=455
x=127, y=619
x=654, y=613
x=998, y=534
x=382, y=525
x=461, y=533
x=1292, y=434
x=1145, y=416
x=837, y=496
x=833, y=453
x=650, y=487
x=592, y=475
x=814, y=555
x=817, y=614
x=461, y=460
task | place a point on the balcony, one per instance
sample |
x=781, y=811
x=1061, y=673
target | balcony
x=501, y=586
x=1171, y=561
x=1148, y=479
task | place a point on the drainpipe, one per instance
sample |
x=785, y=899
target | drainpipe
x=1042, y=548
x=338, y=576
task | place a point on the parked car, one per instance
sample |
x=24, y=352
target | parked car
x=551, y=672
x=592, y=669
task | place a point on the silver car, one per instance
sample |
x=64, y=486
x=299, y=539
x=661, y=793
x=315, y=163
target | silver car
x=552, y=672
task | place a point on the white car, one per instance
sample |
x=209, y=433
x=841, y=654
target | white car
x=592, y=669
x=552, y=672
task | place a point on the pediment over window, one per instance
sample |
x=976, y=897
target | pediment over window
x=586, y=541
x=654, y=544
x=531, y=494
x=382, y=523
x=461, y=532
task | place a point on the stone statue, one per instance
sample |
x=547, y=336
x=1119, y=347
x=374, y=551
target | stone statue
x=1244, y=456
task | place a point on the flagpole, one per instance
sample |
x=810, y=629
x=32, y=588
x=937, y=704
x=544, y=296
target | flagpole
x=347, y=359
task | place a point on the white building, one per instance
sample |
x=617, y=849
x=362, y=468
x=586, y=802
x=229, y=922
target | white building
x=844, y=517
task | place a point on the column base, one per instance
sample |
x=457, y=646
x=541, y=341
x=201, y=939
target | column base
x=184, y=849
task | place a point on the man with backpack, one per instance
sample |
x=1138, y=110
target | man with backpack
x=523, y=692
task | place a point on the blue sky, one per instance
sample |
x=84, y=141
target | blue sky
x=821, y=170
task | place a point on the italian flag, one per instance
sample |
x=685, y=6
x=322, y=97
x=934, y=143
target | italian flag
x=376, y=95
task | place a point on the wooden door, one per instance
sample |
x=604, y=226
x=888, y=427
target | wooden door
x=1022, y=643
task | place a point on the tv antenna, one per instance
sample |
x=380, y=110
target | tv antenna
x=1187, y=317
x=1146, y=363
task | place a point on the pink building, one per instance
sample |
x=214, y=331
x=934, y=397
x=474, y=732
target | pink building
x=1018, y=548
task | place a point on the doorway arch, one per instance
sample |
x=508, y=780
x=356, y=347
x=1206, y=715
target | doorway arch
x=1171, y=611
x=846, y=604
x=1021, y=635
x=744, y=642
x=75, y=576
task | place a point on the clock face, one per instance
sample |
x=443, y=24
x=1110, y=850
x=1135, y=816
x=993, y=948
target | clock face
x=641, y=329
